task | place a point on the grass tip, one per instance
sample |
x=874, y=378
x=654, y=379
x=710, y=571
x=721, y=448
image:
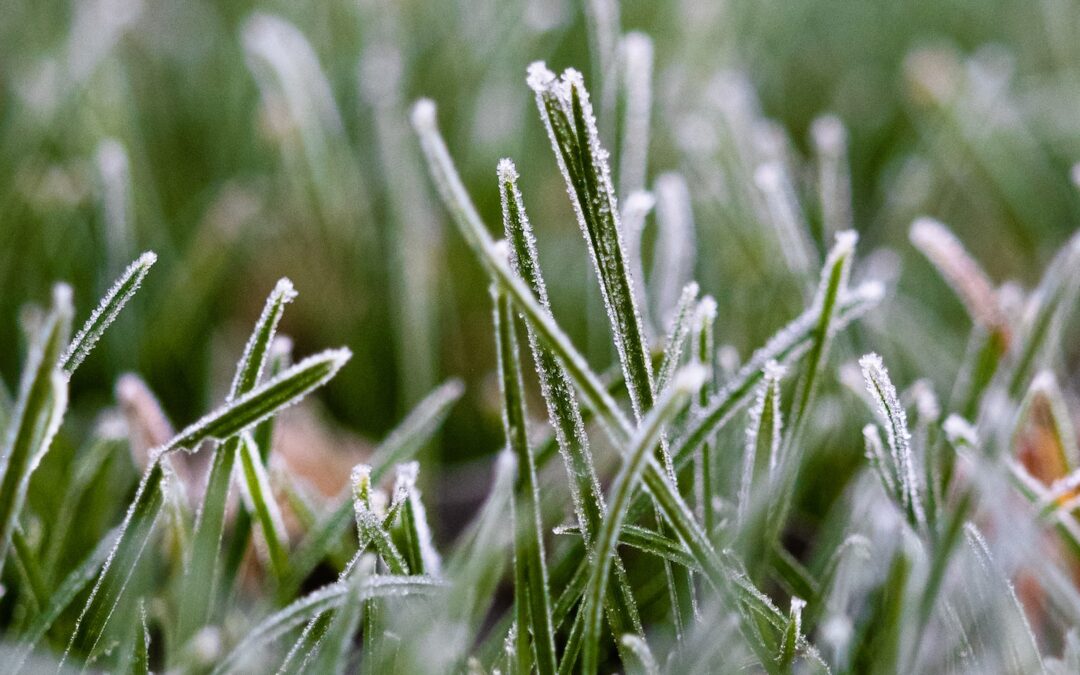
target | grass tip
x=507, y=171
x=423, y=115
x=845, y=242
x=639, y=202
x=284, y=288
x=774, y=371
x=828, y=132
x=959, y=431
x=539, y=77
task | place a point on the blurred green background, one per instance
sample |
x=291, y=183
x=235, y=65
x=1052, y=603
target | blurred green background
x=245, y=141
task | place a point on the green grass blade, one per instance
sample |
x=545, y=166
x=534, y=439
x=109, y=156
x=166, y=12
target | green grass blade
x=457, y=201
x=565, y=107
x=317, y=602
x=333, y=649
x=27, y=560
x=64, y=594
x=895, y=418
x=558, y=393
x=792, y=631
x=106, y=312
x=649, y=541
x=677, y=335
x=134, y=535
x=265, y=400
x=529, y=540
x=202, y=565
x=372, y=527
x=422, y=556
x=704, y=354
x=761, y=453
x=40, y=409
x=683, y=386
x=260, y=496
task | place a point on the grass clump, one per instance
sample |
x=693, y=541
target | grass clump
x=683, y=517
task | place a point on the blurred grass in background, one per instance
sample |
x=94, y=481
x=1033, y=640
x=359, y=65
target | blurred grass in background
x=245, y=141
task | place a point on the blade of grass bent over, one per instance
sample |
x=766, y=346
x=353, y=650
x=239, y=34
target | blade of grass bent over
x=528, y=537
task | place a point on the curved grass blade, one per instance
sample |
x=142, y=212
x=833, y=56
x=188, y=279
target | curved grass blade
x=106, y=312
x=644, y=663
x=260, y=403
x=558, y=392
x=528, y=539
x=38, y=412
x=202, y=566
x=683, y=386
x=315, y=603
x=893, y=415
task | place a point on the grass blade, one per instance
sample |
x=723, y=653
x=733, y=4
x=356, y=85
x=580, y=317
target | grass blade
x=106, y=312
x=202, y=566
x=38, y=412
x=704, y=350
x=567, y=113
x=260, y=403
x=260, y=497
x=683, y=386
x=558, y=392
x=833, y=174
x=529, y=541
x=315, y=603
x=637, y=61
x=762, y=450
x=644, y=662
x=677, y=335
x=333, y=648
x=675, y=249
x=893, y=415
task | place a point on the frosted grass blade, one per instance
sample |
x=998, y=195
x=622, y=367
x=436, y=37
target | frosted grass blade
x=636, y=206
x=30, y=569
x=683, y=386
x=832, y=287
x=1044, y=435
x=636, y=50
x=792, y=631
x=459, y=204
x=332, y=657
x=401, y=444
x=893, y=415
x=106, y=312
x=1054, y=298
x=567, y=114
x=64, y=594
x=677, y=335
x=675, y=250
x=202, y=566
x=38, y=412
x=650, y=542
x=782, y=213
x=762, y=450
x=315, y=603
x=833, y=174
x=260, y=403
x=703, y=345
x=260, y=496
x=529, y=540
x=558, y=392
x=961, y=272
x=232, y=418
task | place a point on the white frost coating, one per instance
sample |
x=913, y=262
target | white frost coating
x=960, y=432
x=506, y=171
x=259, y=484
x=768, y=394
x=429, y=556
x=879, y=461
x=960, y=271
x=106, y=311
x=782, y=207
x=283, y=293
x=674, y=257
x=892, y=413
